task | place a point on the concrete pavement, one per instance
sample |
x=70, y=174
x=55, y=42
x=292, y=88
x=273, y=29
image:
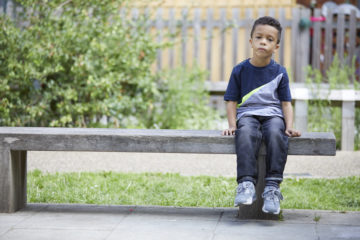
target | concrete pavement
x=87, y=222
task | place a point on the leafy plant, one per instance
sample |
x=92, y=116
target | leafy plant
x=339, y=76
x=183, y=102
x=74, y=62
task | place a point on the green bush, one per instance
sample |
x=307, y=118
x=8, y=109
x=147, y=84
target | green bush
x=73, y=63
x=73, y=68
x=183, y=102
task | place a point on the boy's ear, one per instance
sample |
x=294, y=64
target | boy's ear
x=277, y=47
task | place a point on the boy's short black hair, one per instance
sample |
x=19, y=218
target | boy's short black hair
x=268, y=21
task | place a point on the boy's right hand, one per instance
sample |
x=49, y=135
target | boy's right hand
x=229, y=131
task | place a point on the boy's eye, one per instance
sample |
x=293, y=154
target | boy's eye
x=270, y=40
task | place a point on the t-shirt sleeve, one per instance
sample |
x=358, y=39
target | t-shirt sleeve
x=233, y=89
x=284, y=88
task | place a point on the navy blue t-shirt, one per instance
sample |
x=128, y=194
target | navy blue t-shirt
x=258, y=90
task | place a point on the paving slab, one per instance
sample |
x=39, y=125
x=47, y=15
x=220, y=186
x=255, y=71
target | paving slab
x=335, y=232
x=264, y=230
x=54, y=234
x=80, y=222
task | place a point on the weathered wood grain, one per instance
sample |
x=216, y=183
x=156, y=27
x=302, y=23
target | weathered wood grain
x=145, y=140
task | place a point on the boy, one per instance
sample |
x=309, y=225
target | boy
x=259, y=107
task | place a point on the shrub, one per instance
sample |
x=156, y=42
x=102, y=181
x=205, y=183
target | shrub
x=183, y=102
x=70, y=65
x=74, y=63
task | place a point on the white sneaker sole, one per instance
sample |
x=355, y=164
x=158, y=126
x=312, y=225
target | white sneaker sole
x=248, y=202
x=265, y=211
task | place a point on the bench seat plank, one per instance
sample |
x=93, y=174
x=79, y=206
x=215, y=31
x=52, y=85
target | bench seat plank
x=147, y=140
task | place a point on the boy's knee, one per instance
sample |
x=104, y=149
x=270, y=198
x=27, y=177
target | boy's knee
x=248, y=131
x=276, y=133
x=248, y=125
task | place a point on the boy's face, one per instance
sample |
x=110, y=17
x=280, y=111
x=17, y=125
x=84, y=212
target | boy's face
x=264, y=41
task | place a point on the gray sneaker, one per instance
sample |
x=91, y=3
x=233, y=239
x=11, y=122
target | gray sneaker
x=272, y=197
x=245, y=194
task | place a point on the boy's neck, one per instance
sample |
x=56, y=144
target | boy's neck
x=260, y=62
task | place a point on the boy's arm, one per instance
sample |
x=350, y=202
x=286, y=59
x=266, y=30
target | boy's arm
x=288, y=116
x=231, y=116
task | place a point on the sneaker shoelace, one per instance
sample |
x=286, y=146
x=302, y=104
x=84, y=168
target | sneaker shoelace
x=243, y=187
x=272, y=193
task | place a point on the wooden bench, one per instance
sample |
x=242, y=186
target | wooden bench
x=16, y=141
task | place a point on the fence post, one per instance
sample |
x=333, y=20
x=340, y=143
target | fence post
x=328, y=48
x=316, y=42
x=184, y=30
x=340, y=31
x=301, y=115
x=282, y=40
x=235, y=32
x=222, y=43
x=348, y=121
x=209, y=35
x=352, y=38
x=159, y=28
x=294, y=39
x=303, y=49
x=172, y=30
x=248, y=20
x=197, y=34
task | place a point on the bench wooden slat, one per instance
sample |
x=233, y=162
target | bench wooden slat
x=147, y=140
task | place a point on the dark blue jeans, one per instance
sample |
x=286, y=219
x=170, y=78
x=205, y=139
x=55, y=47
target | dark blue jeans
x=251, y=130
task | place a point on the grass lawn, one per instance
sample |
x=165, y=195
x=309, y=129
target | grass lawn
x=341, y=194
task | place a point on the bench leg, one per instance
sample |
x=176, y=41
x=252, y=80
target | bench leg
x=254, y=211
x=12, y=180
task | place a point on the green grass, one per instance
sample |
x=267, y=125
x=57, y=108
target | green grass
x=341, y=194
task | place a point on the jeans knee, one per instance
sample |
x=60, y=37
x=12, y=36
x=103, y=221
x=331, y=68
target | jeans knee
x=248, y=131
x=275, y=133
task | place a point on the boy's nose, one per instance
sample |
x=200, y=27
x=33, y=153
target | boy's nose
x=262, y=41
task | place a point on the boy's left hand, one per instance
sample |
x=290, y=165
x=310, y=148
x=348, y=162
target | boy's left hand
x=292, y=133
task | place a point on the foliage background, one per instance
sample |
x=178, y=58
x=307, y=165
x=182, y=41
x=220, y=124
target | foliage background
x=80, y=64
x=338, y=76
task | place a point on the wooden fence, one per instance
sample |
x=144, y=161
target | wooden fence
x=217, y=44
x=218, y=39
